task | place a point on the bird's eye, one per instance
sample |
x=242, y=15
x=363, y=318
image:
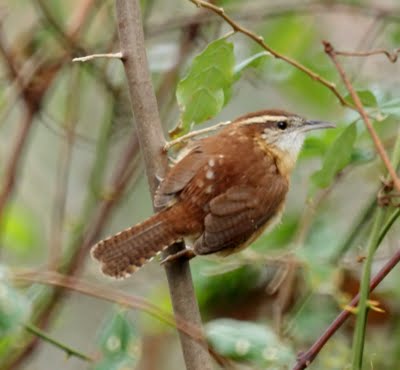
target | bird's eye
x=281, y=125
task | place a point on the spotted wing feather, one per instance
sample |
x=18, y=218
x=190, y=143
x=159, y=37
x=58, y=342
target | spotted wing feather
x=240, y=213
x=179, y=176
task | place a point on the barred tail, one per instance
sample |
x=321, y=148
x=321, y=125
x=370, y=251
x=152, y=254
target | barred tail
x=123, y=253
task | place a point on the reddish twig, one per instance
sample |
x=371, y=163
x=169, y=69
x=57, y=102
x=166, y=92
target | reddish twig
x=392, y=56
x=79, y=18
x=305, y=359
x=111, y=295
x=261, y=11
x=260, y=41
x=359, y=107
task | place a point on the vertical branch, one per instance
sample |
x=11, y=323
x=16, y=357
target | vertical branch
x=329, y=49
x=63, y=170
x=144, y=106
x=362, y=308
x=10, y=174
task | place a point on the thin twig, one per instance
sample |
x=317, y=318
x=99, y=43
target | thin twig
x=305, y=359
x=144, y=106
x=86, y=58
x=79, y=18
x=115, y=296
x=392, y=56
x=262, y=11
x=260, y=41
x=10, y=173
x=329, y=49
x=65, y=38
x=101, y=292
x=63, y=170
x=45, y=337
x=192, y=134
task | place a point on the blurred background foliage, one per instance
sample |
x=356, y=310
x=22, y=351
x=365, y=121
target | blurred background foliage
x=71, y=173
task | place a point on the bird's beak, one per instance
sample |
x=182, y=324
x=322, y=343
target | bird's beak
x=316, y=125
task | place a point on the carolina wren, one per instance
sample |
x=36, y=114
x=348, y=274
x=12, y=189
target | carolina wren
x=221, y=195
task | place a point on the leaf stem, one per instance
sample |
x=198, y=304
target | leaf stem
x=359, y=333
x=377, y=234
x=68, y=350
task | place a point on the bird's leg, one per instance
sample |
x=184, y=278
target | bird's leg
x=186, y=253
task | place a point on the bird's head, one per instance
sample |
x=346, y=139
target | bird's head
x=282, y=130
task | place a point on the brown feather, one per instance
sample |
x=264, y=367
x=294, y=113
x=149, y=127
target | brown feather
x=123, y=253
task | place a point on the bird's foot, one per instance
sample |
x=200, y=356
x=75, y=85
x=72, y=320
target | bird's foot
x=186, y=254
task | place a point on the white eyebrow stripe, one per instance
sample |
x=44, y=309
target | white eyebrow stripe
x=261, y=119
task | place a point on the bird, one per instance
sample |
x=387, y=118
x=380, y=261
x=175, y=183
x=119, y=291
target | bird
x=226, y=190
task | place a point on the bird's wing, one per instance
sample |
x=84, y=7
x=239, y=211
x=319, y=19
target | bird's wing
x=179, y=176
x=235, y=216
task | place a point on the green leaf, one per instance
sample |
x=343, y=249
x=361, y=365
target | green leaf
x=317, y=312
x=20, y=230
x=119, y=362
x=249, y=342
x=255, y=61
x=337, y=157
x=367, y=98
x=15, y=308
x=394, y=33
x=361, y=156
x=119, y=343
x=217, y=287
x=205, y=89
x=279, y=236
x=391, y=107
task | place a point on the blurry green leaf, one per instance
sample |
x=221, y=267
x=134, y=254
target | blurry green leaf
x=337, y=157
x=317, y=312
x=120, y=362
x=367, y=98
x=321, y=276
x=394, y=33
x=15, y=308
x=291, y=36
x=279, y=236
x=216, y=290
x=161, y=298
x=119, y=343
x=249, y=342
x=202, y=93
x=252, y=62
x=316, y=146
x=359, y=156
x=391, y=107
x=20, y=230
x=288, y=35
